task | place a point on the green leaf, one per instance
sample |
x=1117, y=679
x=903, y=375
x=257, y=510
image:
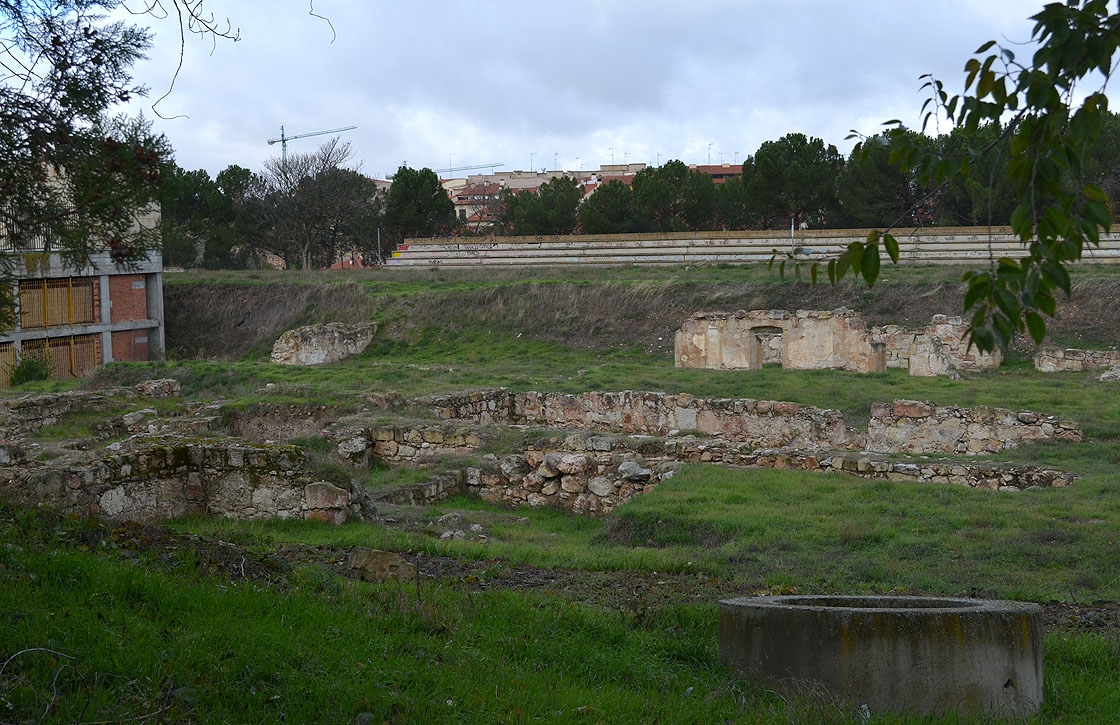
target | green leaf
x=869, y=264
x=1095, y=193
x=1008, y=304
x=978, y=289
x=1045, y=302
x=855, y=253
x=1008, y=269
x=1037, y=327
x=891, y=245
x=981, y=338
x=1057, y=275
x=843, y=262
x=1097, y=212
x=1022, y=223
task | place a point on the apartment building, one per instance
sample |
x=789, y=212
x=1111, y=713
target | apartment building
x=81, y=318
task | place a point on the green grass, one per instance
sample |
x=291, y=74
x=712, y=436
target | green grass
x=91, y=635
x=830, y=533
x=97, y=632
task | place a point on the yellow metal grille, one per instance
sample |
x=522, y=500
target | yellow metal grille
x=84, y=351
x=73, y=356
x=55, y=302
x=7, y=363
x=70, y=356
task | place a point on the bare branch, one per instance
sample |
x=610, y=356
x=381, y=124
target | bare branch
x=312, y=13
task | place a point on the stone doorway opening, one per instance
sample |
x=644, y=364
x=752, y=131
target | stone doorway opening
x=765, y=347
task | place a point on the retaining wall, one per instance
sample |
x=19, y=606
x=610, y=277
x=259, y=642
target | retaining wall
x=32, y=412
x=762, y=423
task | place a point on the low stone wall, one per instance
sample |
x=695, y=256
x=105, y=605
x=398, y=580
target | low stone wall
x=983, y=475
x=576, y=478
x=910, y=426
x=585, y=483
x=762, y=423
x=494, y=405
x=899, y=427
x=405, y=443
x=32, y=412
x=441, y=486
x=170, y=478
x=1054, y=359
x=577, y=473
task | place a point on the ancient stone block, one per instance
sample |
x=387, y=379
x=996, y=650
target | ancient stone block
x=602, y=486
x=322, y=344
x=573, y=484
x=634, y=471
x=380, y=566
x=573, y=463
x=323, y=495
x=163, y=388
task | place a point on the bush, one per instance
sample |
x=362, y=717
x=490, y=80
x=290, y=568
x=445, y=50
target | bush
x=32, y=366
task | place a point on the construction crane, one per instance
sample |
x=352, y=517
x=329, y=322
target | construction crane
x=283, y=140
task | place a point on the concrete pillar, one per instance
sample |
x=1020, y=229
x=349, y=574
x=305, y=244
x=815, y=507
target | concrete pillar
x=154, y=295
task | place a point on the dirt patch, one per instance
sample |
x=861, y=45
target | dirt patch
x=227, y=322
x=638, y=596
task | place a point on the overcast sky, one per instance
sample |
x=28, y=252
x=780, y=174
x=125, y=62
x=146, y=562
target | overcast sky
x=570, y=84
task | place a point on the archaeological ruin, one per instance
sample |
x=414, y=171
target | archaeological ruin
x=824, y=340
x=585, y=454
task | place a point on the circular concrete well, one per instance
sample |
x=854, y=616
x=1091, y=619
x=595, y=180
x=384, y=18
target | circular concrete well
x=923, y=655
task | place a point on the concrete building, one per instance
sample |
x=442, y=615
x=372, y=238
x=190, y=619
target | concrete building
x=80, y=318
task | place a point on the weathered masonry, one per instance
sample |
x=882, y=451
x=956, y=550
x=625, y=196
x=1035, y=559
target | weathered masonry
x=82, y=318
x=903, y=426
x=824, y=340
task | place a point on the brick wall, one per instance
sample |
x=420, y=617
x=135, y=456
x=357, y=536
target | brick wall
x=128, y=295
x=130, y=345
